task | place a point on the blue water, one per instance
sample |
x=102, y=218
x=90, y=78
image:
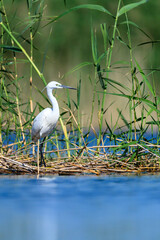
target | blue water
x=80, y=208
x=74, y=139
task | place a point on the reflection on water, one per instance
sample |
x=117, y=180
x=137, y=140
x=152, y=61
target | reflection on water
x=92, y=208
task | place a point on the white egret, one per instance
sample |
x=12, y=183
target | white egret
x=46, y=120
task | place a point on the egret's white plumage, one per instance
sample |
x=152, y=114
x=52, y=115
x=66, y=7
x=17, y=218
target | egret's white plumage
x=45, y=122
x=48, y=117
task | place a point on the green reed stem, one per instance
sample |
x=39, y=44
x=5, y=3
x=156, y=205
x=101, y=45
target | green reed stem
x=133, y=83
x=57, y=143
x=16, y=77
x=108, y=68
x=24, y=52
x=93, y=101
x=31, y=67
x=78, y=111
x=66, y=136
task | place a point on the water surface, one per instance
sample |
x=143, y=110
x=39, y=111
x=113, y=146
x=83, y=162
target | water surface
x=89, y=208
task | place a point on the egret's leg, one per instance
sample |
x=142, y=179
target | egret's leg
x=41, y=152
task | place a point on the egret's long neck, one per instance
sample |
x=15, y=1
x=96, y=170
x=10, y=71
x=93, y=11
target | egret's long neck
x=53, y=101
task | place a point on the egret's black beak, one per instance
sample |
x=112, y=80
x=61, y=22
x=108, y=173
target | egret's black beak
x=63, y=86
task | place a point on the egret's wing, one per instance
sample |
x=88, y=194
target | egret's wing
x=38, y=124
x=44, y=124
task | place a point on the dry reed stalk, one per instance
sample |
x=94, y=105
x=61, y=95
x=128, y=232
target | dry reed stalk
x=10, y=164
x=87, y=161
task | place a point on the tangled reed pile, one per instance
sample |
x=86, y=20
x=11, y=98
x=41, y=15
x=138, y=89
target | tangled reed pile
x=85, y=160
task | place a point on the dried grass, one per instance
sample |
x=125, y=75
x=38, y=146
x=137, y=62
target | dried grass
x=88, y=160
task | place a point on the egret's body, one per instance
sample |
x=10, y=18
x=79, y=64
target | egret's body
x=48, y=117
x=45, y=122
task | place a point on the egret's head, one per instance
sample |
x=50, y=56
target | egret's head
x=54, y=85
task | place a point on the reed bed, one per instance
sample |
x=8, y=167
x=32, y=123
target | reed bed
x=93, y=160
x=122, y=144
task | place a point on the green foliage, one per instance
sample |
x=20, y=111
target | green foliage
x=83, y=6
x=139, y=90
x=130, y=6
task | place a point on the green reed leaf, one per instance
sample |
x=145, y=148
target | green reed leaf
x=11, y=48
x=116, y=83
x=78, y=93
x=94, y=46
x=78, y=67
x=83, y=6
x=148, y=102
x=145, y=79
x=123, y=118
x=136, y=26
x=130, y=6
x=148, y=42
